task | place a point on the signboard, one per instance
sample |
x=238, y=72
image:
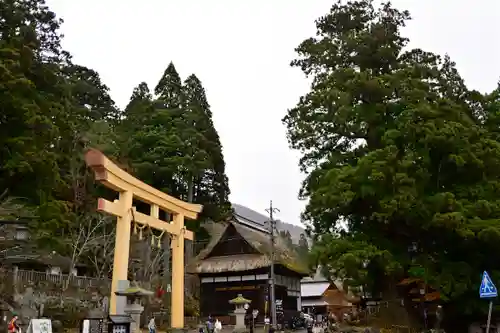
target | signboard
x=42, y=325
x=86, y=326
x=487, y=288
x=237, y=288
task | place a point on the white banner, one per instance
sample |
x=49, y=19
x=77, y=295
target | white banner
x=42, y=325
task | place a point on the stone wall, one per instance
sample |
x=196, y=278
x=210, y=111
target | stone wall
x=61, y=297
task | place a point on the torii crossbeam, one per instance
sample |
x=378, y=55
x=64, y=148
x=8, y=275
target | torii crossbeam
x=129, y=188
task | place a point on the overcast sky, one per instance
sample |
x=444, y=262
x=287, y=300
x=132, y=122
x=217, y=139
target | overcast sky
x=240, y=50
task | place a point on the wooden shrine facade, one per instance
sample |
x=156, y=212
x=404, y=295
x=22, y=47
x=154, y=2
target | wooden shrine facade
x=237, y=261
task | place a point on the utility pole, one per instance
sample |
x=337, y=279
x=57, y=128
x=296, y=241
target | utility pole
x=272, y=227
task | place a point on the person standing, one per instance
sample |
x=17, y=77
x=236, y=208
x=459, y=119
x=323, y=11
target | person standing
x=13, y=325
x=217, y=326
x=210, y=325
x=309, y=324
x=152, y=325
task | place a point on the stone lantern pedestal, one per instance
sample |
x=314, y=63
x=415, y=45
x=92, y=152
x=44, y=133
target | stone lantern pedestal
x=240, y=311
x=134, y=308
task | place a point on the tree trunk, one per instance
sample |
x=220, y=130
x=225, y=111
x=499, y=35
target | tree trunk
x=190, y=189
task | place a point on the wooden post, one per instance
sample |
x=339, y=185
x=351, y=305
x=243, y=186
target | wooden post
x=122, y=245
x=177, y=246
x=131, y=188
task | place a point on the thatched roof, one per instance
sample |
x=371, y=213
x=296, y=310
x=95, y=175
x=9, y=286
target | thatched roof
x=259, y=240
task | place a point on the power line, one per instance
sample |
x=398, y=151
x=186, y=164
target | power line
x=272, y=226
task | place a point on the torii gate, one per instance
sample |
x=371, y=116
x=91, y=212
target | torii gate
x=129, y=188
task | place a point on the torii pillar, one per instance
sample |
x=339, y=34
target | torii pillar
x=130, y=188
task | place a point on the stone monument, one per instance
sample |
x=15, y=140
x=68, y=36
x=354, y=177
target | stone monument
x=134, y=308
x=240, y=311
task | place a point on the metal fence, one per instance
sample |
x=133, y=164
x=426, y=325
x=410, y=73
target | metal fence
x=59, y=279
x=191, y=282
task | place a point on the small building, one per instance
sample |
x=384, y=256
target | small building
x=422, y=301
x=320, y=296
x=237, y=261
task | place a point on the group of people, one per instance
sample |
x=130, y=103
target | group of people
x=321, y=324
x=211, y=326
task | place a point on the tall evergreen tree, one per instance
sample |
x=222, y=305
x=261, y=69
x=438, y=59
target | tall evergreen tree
x=169, y=88
x=149, y=141
x=139, y=110
x=174, y=145
x=210, y=183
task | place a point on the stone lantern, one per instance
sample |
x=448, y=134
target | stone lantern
x=240, y=311
x=134, y=307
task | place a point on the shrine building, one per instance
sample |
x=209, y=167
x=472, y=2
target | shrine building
x=237, y=261
x=321, y=296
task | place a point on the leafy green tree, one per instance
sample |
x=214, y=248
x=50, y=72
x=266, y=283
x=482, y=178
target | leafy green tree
x=396, y=150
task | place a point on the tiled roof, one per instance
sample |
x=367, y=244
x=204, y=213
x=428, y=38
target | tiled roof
x=251, y=218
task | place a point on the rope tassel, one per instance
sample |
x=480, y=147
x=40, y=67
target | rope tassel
x=156, y=240
x=138, y=228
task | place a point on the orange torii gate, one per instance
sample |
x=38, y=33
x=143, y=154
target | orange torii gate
x=129, y=188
